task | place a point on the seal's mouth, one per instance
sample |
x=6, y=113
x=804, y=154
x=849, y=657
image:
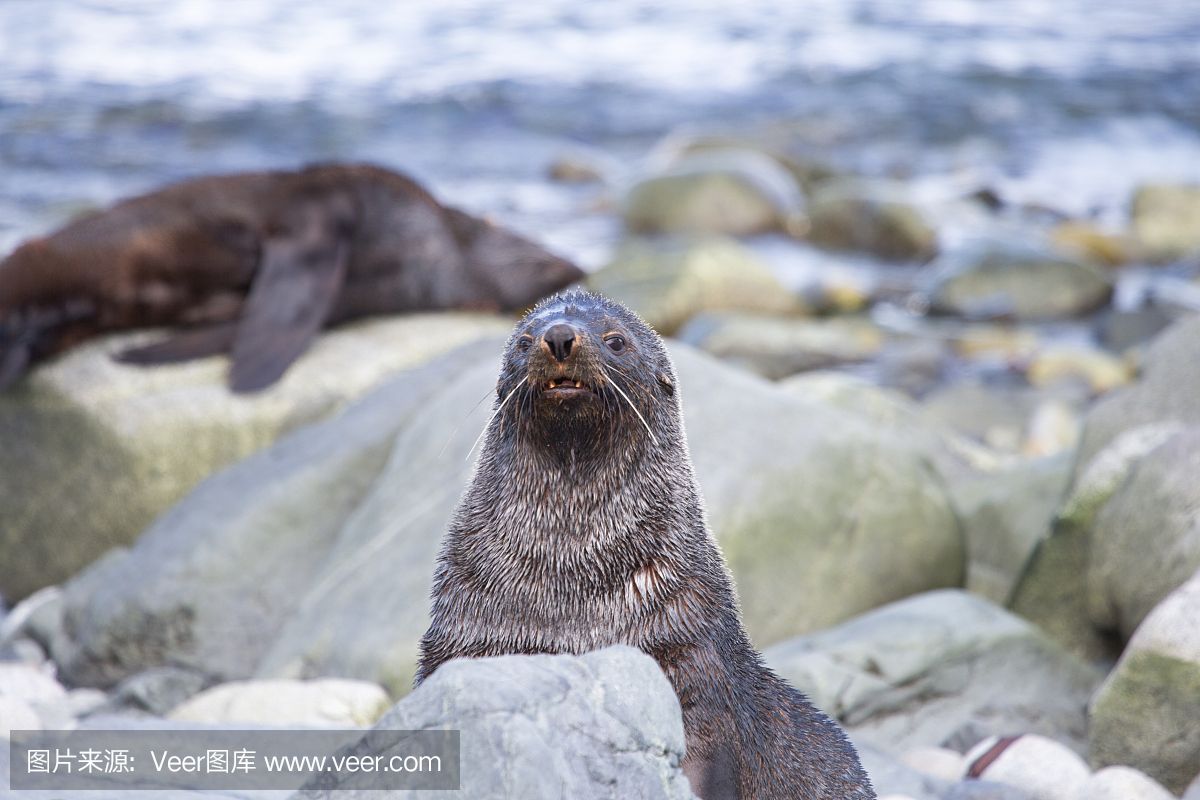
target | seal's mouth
x=564, y=387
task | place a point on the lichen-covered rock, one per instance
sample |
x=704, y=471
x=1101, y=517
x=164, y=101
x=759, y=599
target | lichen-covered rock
x=875, y=218
x=94, y=450
x=211, y=584
x=602, y=725
x=1146, y=540
x=989, y=279
x=1005, y=514
x=940, y=669
x=315, y=557
x=730, y=191
x=1144, y=715
x=776, y=347
x=327, y=703
x=1166, y=219
x=669, y=282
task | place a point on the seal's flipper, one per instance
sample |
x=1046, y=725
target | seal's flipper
x=186, y=345
x=299, y=280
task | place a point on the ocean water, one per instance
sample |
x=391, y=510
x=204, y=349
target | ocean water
x=1066, y=104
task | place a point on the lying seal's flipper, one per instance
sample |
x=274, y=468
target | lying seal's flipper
x=186, y=345
x=294, y=290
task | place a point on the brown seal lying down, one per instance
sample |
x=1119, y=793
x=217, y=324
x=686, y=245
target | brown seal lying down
x=255, y=264
x=583, y=526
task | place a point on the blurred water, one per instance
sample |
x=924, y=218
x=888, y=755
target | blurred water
x=1065, y=104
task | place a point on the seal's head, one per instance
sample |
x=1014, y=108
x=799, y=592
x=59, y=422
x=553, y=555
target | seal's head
x=583, y=372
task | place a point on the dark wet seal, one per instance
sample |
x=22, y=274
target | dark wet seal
x=583, y=527
x=256, y=264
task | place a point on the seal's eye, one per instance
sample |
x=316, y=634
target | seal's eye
x=615, y=342
x=525, y=342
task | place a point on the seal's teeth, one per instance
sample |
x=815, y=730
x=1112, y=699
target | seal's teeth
x=578, y=384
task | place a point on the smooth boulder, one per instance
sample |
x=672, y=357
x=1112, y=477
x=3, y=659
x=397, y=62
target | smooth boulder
x=95, y=450
x=944, y=669
x=669, y=281
x=731, y=191
x=315, y=557
x=988, y=279
x=1146, y=540
x=1145, y=713
x=778, y=346
x=849, y=214
x=602, y=725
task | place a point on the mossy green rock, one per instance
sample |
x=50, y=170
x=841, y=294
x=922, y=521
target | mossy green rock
x=668, y=281
x=320, y=559
x=1146, y=540
x=943, y=668
x=1145, y=713
x=848, y=214
x=731, y=191
x=994, y=279
x=775, y=346
x=94, y=450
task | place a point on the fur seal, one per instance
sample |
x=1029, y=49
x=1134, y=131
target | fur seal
x=583, y=526
x=256, y=264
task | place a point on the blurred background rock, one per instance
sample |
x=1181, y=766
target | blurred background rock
x=947, y=251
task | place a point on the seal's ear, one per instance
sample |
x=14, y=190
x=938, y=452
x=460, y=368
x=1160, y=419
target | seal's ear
x=664, y=380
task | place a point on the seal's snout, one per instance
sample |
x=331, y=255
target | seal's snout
x=559, y=340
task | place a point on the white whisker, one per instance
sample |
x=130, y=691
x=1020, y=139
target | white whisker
x=621, y=392
x=499, y=408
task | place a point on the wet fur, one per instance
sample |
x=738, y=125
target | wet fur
x=578, y=531
x=279, y=255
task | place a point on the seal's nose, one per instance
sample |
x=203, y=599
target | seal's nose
x=559, y=340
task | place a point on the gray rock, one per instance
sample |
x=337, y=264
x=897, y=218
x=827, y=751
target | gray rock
x=1166, y=219
x=669, y=281
x=315, y=557
x=158, y=690
x=209, y=586
x=1146, y=540
x=794, y=485
x=601, y=725
x=1144, y=715
x=985, y=790
x=1168, y=391
x=892, y=778
x=37, y=618
x=95, y=450
x=1005, y=280
x=848, y=214
x=776, y=347
x=1053, y=591
x=731, y=191
x=1005, y=514
x=944, y=668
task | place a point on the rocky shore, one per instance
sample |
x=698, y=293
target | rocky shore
x=957, y=490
